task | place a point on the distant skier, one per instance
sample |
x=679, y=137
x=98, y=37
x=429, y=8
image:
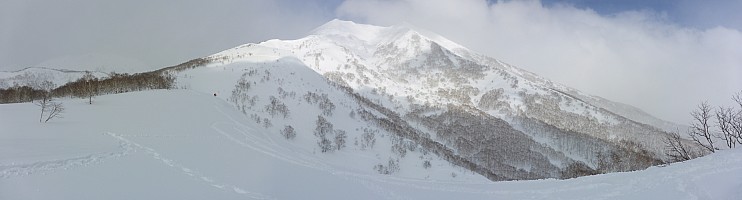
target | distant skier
x=214, y=94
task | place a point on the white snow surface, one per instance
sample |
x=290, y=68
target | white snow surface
x=185, y=144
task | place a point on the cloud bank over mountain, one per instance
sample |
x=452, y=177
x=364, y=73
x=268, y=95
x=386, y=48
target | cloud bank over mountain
x=639, y=57
x=663, y=58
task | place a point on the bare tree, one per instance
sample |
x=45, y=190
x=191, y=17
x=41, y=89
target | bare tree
x=736, y=121
x=700, y=130
x=340, y=137
x=90, y=89
x=676, y=149
x=725, y=118
x=368, y=138
x=325, y=145
x=267, y=123
x=729, y=122
x=44, y=101
x=277, y=107
x=44, y=105
x=48, y=108
x=323, y=128
x=426, y=164
x=55, y=111
x=391, y=167
x=322, y=101
x=288, y=132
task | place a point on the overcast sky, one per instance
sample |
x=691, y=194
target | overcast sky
x=663, y=56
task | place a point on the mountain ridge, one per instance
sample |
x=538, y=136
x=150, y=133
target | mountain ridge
x=425, y=93
x=425, y=84
x=31, y=76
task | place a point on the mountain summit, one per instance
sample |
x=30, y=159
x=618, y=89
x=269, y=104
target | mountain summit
x=350, y=111
x=431, y=94
x=407, y=100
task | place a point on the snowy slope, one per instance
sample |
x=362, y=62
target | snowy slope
x=269, y=72
x=422, y=76
x=401, y=97
x=290, y=83
x=184, y=144
x=627, y=111
x=406, y=63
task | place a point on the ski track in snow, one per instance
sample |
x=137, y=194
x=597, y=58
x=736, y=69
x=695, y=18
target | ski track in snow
x=242, y=134
x=301, y=159
x=7, y=171
x=188, y=171
x=682, y=182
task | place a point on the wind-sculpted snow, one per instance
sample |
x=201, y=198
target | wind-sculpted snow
x=48, y=166
x=185, y=170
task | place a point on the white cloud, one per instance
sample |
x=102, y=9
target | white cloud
x=635, y=57
x=153, y=33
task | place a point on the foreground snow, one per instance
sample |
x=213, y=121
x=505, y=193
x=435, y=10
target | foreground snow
x=181, y=144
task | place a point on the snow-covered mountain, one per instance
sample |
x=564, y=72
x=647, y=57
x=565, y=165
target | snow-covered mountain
x=469, y=109
x=350, y=111
x=421, y=92
x=33, y=76
x=101, y=62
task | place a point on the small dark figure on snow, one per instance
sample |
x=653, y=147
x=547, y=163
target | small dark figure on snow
x=214, y=94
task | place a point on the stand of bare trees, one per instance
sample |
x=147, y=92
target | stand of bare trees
x=324, y=128
x=116, y=83
x=729, y=122
x=709, y=125
x=17, y=94
x=89, y=86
